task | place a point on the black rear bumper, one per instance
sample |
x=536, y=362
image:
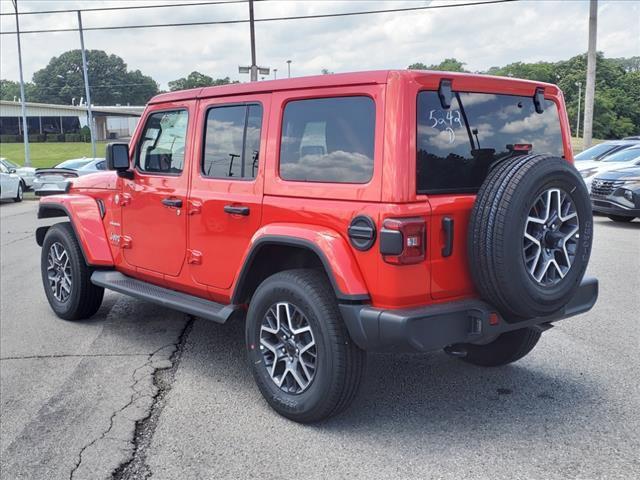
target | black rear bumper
x=436, y=326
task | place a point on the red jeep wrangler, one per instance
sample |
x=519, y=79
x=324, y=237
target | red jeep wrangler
x=378, y=211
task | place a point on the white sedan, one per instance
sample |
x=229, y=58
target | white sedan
x=10, y=184
x=27, y=174
x=623, y=158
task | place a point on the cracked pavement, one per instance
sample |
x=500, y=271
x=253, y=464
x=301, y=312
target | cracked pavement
x=143, y=392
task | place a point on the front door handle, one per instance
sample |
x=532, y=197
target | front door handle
x=237, y=210
x=172, y=202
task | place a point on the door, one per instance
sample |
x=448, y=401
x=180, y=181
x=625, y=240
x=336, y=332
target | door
x=225, y=205
x=154, y=224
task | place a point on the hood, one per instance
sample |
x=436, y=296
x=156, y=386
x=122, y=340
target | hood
x=95, y=181
x=622, y=174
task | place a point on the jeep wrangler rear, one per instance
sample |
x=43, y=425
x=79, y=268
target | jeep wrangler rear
x=335, y=215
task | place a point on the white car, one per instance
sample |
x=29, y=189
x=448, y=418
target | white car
x=624, y=158
x=10, y=184
x=50, y=181
x=27, y=174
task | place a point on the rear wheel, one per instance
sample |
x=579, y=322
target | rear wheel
x=507, y=348
x=66, y=277
x=299, y=351
x=620, y=218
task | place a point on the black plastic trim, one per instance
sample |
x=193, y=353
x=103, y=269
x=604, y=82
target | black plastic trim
x=445, y=93
x=434, y=327
x=53, y=210
x=183, y=302
x=362, y=233
x=391, y=242
x=294, y=242
x=538, y=100
x=447, y=226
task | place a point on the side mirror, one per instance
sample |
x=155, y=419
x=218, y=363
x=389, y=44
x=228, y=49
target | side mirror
x=12, y=170
x=118, y=156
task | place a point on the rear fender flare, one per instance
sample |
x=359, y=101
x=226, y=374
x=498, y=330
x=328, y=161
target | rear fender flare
x=85, y=218
x=332, y=250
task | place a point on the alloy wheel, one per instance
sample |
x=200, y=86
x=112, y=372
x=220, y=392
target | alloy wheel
x=551, y=236
x=288, y=347
x=59, y=272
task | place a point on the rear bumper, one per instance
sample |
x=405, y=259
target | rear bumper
x=436, y=326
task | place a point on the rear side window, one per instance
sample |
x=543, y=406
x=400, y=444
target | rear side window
x=328, y=140
x=457, y=146
x=232, y=142
x=161, y=148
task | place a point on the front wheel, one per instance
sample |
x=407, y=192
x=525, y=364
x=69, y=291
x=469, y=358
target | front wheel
x=299, y=351
x=66, y=277
x=19, y=193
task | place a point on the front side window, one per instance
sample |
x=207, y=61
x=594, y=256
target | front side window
x=161, y=148
x=328, y=140
x=232, y=142
x=456, y=147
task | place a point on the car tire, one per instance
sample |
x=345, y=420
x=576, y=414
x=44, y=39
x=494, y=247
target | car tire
x=519, y=277
x=620, y=218
x=66, y=277
x=19, y=194
x=333, y=367
x=507, y=348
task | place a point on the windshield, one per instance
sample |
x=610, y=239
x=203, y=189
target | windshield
x=457, y=146
x=623, y=156
x=73, y=164
x=595, y=152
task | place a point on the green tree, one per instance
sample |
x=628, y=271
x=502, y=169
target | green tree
x=110, y=81
x=197, y=80
x=10, y=90
x=448, y=65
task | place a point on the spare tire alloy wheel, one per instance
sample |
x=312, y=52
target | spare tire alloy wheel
x=59, y=272
x=551, y=237
x=288, y=347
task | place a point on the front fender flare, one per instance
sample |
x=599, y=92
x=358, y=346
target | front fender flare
x=86, y=220
x=332, y=250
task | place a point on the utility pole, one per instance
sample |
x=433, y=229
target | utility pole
x=579, y=85
x=23, y=105
x=590, y=89
x=254, y=66
x=86, y=87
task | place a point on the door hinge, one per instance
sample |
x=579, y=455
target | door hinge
x=122, y=199
x=194, y=257
x=195, y=206
x=125, y=241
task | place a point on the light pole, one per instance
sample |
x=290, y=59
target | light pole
x=23, y=106
x=86, y=87
x=254, y=66
x=288, y=68
x=579, y=85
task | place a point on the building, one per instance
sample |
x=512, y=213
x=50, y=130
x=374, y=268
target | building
x=50, y=119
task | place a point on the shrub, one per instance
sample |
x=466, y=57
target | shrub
x=85, y=132
x=8, y=138
x=55, y=137
x=36, y=137
x=73, y=137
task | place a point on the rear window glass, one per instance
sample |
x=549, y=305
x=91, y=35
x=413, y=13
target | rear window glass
x=457, y=146
x=328, y=140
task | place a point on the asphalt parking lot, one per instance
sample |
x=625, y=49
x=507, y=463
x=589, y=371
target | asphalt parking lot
x=71, y=393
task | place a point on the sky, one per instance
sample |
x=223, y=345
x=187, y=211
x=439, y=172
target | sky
x=481, y=36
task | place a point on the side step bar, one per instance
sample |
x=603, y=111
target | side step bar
x=182, y=302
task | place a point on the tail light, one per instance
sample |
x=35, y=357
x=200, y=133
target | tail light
x=403, y=240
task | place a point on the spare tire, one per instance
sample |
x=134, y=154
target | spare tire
x=530, y=236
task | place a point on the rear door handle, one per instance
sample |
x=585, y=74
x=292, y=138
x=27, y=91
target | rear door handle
x=237, y=210
x=447, y=226
x=172, y=202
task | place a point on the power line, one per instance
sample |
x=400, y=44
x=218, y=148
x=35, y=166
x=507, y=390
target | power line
x=268, y=19
x=129, y=7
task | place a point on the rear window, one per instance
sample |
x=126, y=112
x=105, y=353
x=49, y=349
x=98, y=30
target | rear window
x=328, y=140
x=457, y=146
